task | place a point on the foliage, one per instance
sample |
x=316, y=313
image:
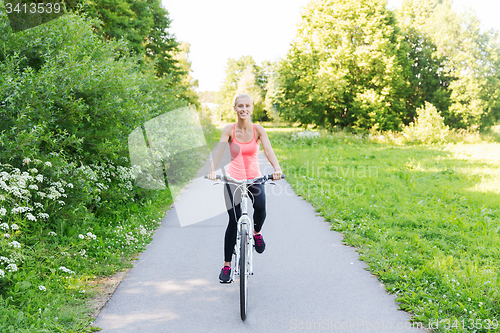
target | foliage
x=187, y=84
x=467, y=57
x=359, y=65
x=429, y=126
x=245, y=76
x=423, y=218
x=345, y=67
x=63, y=89
x=144, y=24
x=62, y=224
x=428, y=81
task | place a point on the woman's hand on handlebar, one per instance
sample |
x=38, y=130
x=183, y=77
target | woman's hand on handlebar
x=211, y=175
x=277, y=174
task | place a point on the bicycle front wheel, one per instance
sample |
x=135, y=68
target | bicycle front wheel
x=243, y=275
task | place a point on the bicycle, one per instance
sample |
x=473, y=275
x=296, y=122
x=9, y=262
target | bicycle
x=243, y=259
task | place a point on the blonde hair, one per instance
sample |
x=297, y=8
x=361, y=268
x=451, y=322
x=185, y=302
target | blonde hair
x=241, y=96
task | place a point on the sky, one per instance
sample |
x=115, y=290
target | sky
x=221, y=29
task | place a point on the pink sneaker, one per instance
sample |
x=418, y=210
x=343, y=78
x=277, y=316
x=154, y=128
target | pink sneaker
x=260, y=245
x=225, y=275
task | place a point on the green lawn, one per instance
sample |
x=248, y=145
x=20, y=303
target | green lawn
x=426, y=219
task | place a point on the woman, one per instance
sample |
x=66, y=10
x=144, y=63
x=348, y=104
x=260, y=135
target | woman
x=244, y=138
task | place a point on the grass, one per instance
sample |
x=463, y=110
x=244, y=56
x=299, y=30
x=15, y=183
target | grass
x=45, y=298
x=426, y=219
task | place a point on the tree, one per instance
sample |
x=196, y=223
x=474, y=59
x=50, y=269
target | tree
x=466, y=61
x=187, y=83
x=144, y=24
x=243, y=76
x=345, y=67
x=64, y=90
x=429, y=80
x=271, y=88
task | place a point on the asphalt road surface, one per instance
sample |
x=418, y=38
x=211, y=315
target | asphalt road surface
x=305, y=281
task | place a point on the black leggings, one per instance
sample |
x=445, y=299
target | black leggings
x=259, y=214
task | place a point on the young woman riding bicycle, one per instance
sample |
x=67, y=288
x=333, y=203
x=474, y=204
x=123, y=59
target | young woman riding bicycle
x=244, y=138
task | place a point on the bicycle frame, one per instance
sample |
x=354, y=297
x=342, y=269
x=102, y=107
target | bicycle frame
x=244, y=222
x=245, y=227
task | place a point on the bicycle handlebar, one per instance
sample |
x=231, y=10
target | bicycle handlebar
x=227, y=179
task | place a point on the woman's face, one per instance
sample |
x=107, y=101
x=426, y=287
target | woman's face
x=243, y=107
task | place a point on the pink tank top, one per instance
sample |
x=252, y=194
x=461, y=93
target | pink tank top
x=244, y=161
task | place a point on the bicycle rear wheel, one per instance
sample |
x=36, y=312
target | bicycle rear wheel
x=243, y=274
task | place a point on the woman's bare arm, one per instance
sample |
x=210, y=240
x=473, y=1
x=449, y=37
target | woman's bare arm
x=218, y=151
x=268, y=151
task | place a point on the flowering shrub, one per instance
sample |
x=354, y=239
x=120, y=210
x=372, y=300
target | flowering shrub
x=60, y=210
x=304, y=135
x=429, y=126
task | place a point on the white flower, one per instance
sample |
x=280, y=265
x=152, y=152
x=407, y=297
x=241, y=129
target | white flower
x=21, y=210
x=15, y=244
x=43, y=215
x=2, y=274
x=48, y=164
x=6, y=235
x=34, y=170
x=42, y=288
x=6, y=260
x=39, y=178
x=14, y=227
x=11, y=268
x=81, y=236
x=82, y=252
x=70, y=185
x=3, y=211
x=61, y=202
x=26, y=160
x=30, y=217
x=65, y=254
x=82, y=291
x=66, y=270
x=33, y=187
x=4, y=226
x=51, y=233
x=91, y=235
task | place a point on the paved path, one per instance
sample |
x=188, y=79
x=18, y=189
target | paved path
x=306, y=280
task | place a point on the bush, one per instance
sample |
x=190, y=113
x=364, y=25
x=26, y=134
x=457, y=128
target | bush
x=429, y=126
x=64, y=89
